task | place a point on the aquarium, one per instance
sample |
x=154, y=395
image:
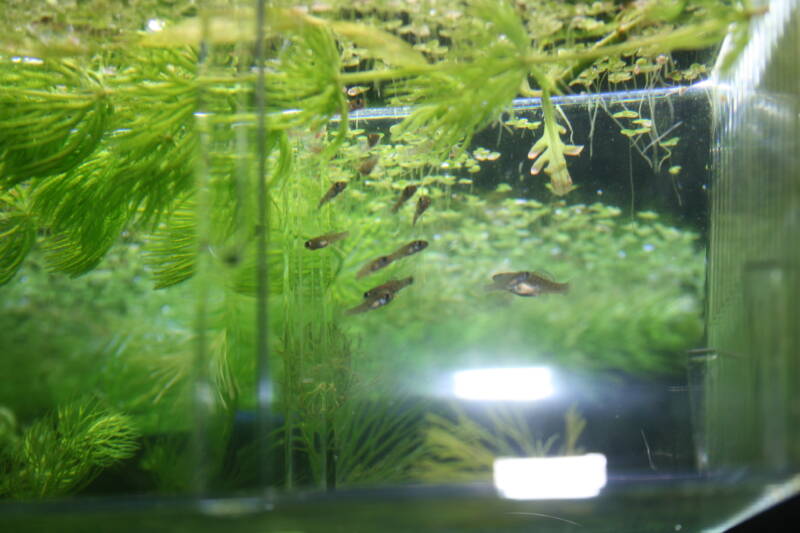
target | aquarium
x=398, y=266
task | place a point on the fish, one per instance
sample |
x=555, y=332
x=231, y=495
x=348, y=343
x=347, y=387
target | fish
x=376, y=301
x=324, y=240
x=526, y=283
x=366, y=166
x=333, y=192
x=409, y=249
x=356, y=102
x=356, y=98
x=372, y=139
x=407, y=193
x=374, y=265
x=422, y=204
x=393, y=286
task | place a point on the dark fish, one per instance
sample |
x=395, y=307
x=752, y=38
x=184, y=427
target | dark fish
x=374, y=302
x=422, y=204
x=409, y=249
x=392, y=286
x=356, y=102
x=324, y=240
x=526, y=284
x=366, y=166
x=407, y=193
x=333, y=192
x=372, y=139
x=374, y=265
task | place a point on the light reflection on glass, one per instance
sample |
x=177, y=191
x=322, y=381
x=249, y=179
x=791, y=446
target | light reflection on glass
x=504, y=384
x=155, y=25
x=540, y=478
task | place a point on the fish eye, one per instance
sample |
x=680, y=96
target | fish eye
x=307, y=244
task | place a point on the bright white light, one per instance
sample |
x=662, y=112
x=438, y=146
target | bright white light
x=543, y=478
x=503, y=384
x=155, y=25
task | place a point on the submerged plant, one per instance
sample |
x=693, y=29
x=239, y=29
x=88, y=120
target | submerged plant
x=62, y=452
x=166, y=132
x=463, y=447
x=114, y=133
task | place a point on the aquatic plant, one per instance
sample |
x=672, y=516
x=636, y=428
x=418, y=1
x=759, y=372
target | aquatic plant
x=109, y=130
x=138, y=104
x=461, y=446
x=62, y=452
x=598, y=251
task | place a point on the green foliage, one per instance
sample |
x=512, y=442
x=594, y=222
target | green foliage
x=595, y=326
x=62, y=452
x=108, y=133
x=55, y=29
x=51, y=118
x=306, y=78
x=378, y=441
x=172, y=247
x=485, y=81
x=17, y=233
x=109, y=139
x=98, y=151
x=459, y=447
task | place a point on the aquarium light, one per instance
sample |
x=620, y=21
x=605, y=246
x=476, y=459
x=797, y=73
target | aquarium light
x=503, y=384
x=542, y=478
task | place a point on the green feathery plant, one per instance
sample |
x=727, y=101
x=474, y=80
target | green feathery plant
x=64, y=451
x=95, y=141
x=108, y=141
x=460, y=448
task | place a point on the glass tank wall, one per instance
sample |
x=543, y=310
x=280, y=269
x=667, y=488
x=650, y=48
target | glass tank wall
x=224, y=304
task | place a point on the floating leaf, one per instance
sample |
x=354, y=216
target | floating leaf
x=619, y=77
x=669, y=143
x=626, y=114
